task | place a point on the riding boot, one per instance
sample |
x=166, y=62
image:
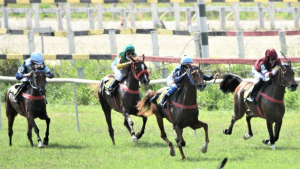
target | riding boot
x=112, y=86
x=19, y=91
x=164, y=99
x=255, y=90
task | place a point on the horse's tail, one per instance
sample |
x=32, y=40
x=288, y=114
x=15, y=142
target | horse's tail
x=222, y=164
x=229, y=83
x=144, y=106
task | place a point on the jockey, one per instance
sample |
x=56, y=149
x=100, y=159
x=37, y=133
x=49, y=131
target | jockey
x=262, y=69
x=24, y=72
x=177, y=75
x=119, y=65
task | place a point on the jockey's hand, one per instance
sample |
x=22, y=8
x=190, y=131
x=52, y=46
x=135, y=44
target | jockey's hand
x=128, y=63
x=29, y=74
x=217, y=75
x=274, y=72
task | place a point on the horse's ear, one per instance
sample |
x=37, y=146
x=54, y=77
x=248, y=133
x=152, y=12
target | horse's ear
x=143, y=57
x=290, y=64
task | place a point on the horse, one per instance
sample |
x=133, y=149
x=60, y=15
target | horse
x=268, y=103
x=181, y=109
x=125, y=98
x=32, y=105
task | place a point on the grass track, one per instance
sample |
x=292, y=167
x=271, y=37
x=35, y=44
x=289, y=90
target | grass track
x=92, y=147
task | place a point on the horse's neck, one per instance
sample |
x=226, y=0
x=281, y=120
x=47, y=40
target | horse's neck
x=276, y=89
x=188, y=93
x=131, y=82
x=31, y=91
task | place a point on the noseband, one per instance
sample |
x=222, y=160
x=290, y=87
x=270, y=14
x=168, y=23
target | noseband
x=138, y=76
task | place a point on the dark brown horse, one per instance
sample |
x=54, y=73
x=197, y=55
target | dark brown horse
x=32, y=105
x=269, y=101
x=124, y=100
x=182, y=109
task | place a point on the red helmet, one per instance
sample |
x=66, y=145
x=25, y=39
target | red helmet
x=271, y=53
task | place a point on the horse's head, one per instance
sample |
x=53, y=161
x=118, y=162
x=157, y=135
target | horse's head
x=195, y=75
x=38, y=80
x=286, y=76
x=139, y=70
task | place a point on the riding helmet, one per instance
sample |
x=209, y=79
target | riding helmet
x=186, y=60
x=37, y=58
x=271, y=53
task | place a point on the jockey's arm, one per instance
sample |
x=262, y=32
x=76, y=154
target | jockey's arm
x=122, y=65
x=266, y=73
x=178, y=77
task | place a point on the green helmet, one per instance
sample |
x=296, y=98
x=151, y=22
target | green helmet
x=129, y=48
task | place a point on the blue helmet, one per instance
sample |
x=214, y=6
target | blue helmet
x=37, y=58
x=186, y=60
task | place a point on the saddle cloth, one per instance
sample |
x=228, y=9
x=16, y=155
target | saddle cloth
x=14, y=90
x=161, y=95
x=108, y=82
x=246, y=94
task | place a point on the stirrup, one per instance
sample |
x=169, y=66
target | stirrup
x=15, y=100
x=250, y=99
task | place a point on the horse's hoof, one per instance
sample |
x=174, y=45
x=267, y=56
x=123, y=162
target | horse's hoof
x=138, y=135
x=40, y=145
x=267, y=142
x=247, y=136
x=134, y=139
x=273, y=147
x=226, y=131
x=204, y=148
x=172, y=152
x=45, y=143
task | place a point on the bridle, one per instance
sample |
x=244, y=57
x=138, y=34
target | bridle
x=138, y=76
x=281, y=79
x=33, y=80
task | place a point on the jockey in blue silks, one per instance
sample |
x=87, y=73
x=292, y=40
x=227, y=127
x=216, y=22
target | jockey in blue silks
x=175, y=78
x=120, y=64
x=25, y=72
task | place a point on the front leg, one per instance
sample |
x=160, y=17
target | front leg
x=129, y=125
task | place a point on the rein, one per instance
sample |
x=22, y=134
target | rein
x=190, y=76
x=138, y=76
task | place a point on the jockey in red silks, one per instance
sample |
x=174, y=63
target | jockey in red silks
x=262, y=69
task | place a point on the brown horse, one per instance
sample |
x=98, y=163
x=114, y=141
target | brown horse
x=181, y=110
x=269, y=101
x=32, y=105
x=125, y=98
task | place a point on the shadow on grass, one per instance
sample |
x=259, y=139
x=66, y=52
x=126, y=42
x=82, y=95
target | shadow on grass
x=266, y=147
x=60, y=146
x=144, y=144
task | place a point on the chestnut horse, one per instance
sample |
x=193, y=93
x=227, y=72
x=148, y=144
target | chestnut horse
x=124, y=100
x=181, y=110
x=269, y=101
x=32, y=105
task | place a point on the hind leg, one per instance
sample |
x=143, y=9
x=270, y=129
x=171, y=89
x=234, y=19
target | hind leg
x=107, y=113
x=248, y=118
x=179, y=140
x=11, y=118
x=198, y=125
x=163, y=134
x=29, y=134
x=239, y=111
x=140, y=134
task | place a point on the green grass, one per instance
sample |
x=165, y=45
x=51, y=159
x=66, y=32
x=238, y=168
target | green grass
x=92, y=146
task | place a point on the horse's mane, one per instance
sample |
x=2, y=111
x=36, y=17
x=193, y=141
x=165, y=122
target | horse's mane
x=230, y=82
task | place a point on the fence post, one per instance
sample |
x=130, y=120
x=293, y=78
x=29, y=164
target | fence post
x=0, y=111
x=91, y=18
x=177, y=15
x=99, y=16
x=282, y=42
x=76, y=108
x=288, y=5
x=240, y=44
x=236, y=11
x=154, y=14
x=71, y=42
x=123, y=19
x=132, y=15
x=5, y=17
x=203, y=29
x=114, y=14
x=30, y=38
x=197, y=37
x=222, y=17
x=112, y=42
x=36, y=14
x=80, y=73
x=155, y=49
x=28, y=19
x=197, y=13
x=272, y=15
x=68, y=15
x=261, y=17
x=296, y=17
x=188, y=19
x=171, y=6
x=59, y=16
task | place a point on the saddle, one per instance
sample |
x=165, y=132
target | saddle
x=107, y=83
x=15, y=89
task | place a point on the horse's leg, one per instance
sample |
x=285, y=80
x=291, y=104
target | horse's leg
x=29, y=133
x=272, y=138
x=46, y=139
x=107, y=113
x=179, y=140
x=130, y=124
x=163, y=134
x=248, y=118
x=140, y=134
x=32, y=123
x=198, y=125
x=277, y=130
x=229, y=130
x=10, y=114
